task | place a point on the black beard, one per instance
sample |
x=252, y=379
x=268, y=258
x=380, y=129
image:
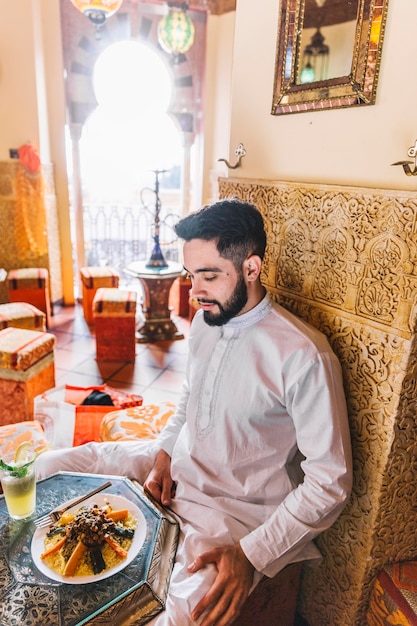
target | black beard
x=231, y=308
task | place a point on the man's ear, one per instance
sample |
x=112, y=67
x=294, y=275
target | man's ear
x=252, y=267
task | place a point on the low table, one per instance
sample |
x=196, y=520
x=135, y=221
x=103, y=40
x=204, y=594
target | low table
x=132, y=596
x=156, y=283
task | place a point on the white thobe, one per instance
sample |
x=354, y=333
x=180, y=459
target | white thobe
x=260, y=391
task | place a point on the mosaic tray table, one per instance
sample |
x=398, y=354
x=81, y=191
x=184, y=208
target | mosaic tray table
x=131, y=597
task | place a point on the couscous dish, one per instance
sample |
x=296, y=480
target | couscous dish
x=90, y=541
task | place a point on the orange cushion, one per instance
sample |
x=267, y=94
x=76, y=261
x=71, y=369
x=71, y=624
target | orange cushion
x=87, y=425
x=141, y=422
x=121, y=399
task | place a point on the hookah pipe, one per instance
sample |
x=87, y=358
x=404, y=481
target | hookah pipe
x=156, y=259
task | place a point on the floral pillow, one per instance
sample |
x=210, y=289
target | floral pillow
x=141, y=422
x=12, y=435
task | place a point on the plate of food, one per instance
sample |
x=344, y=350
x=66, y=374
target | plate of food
x=92, y=541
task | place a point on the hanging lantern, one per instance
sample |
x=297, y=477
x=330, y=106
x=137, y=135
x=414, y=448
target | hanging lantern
x=316, y=59
x=97, y=11
x=176, y=30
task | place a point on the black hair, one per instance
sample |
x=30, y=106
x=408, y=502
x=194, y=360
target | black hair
x=237, y=228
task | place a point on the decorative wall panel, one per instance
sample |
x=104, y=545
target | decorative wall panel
x=30, y=233
x=345, y=259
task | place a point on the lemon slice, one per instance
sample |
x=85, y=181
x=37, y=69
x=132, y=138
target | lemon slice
x=20, y=456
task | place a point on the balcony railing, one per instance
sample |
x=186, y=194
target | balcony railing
x=117, y=234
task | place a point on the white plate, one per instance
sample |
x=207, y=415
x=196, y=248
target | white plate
x=116, y=502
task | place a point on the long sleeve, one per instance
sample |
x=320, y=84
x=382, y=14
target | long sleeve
x=318, y=409
x=169, y=434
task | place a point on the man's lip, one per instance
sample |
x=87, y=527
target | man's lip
x=206, y=305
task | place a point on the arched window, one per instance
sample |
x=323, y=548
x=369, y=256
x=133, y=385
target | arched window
x=130, y=133
x=129, y=115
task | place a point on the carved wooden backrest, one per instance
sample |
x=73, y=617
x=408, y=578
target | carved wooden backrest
x=345, y=259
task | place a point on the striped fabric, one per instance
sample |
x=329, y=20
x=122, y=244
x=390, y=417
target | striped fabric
x=20, y=348
x=114, y=302
x=393, y=600
x=94, y=277
x=27, y=278
x=22, y=315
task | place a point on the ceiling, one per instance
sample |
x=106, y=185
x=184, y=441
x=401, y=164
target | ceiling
x=332, y=12
x=215, y=7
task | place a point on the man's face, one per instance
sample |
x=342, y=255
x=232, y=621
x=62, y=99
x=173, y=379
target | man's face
x=220, y=290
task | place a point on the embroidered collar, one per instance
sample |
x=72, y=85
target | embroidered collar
x=251, y=317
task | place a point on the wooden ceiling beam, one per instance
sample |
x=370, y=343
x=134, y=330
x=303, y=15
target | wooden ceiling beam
x=214, y=7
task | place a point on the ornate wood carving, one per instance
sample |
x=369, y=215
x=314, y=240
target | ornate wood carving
x=345, y=260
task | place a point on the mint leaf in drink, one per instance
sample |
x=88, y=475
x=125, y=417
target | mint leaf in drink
x=18, y=472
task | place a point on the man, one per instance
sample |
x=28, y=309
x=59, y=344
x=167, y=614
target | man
x=262, y=390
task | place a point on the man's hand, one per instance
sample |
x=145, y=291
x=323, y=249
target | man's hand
x=230, y=589
x=159, y=482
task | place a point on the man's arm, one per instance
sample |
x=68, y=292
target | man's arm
x=317, y=405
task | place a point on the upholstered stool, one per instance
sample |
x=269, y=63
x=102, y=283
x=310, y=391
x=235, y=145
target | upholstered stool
x=394, y=596
x=114, y=313
x=27, y=369
x=92, y=278
x=30, y=284
x=22, y=315
x=139, y=422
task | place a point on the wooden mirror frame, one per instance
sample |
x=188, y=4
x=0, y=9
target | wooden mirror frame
x=356, y=89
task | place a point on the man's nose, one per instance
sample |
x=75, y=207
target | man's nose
x=196, y=288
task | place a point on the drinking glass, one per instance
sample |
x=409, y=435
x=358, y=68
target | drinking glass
x=19, y=485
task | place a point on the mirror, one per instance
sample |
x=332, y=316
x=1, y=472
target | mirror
x=328, y=54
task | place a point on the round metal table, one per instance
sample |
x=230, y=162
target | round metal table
x=156, y=283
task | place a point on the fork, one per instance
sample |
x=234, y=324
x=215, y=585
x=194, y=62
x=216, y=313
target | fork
x=54, y=516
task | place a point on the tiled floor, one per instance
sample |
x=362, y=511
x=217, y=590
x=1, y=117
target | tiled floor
x=156, y=374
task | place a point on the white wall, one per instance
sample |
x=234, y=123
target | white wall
x=18, y=101
x=352, y=146
x=220, y=41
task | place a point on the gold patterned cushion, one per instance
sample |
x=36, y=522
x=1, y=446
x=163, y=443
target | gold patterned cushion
x=110, y=301
x=27, y=278
x=141, y=422
x=12, y=435
x=22, y=315
x=94, y=277
x=21, y=348
x=393, y=598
